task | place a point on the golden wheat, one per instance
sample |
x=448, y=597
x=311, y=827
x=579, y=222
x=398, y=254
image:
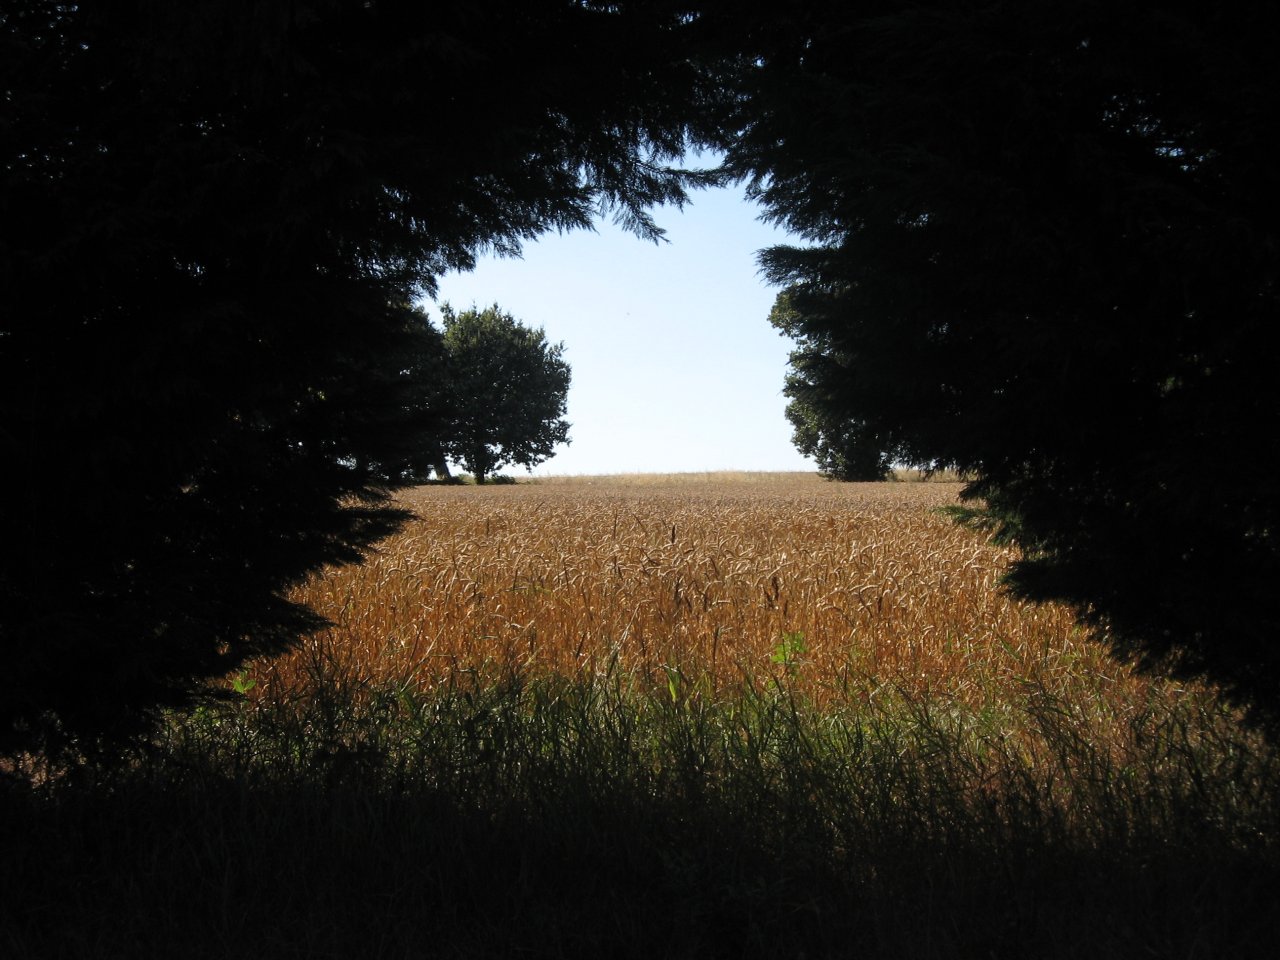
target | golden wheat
x=708, y=579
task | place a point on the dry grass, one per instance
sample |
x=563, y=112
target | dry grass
x=701, y=581
x=755, y=716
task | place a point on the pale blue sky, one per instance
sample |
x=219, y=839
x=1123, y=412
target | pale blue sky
x=675, y=366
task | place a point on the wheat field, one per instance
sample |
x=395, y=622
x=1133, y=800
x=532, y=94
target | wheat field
x=694, y=715
x=699, y=583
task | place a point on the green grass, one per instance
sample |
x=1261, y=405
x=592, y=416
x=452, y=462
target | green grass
x=502, y=816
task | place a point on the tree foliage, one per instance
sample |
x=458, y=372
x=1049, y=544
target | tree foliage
x=842, y=447
x=507, y=391
x=212, y=218
x=1043, y=249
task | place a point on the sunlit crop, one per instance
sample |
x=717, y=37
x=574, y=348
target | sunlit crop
x=699, y=585
x=650, y=715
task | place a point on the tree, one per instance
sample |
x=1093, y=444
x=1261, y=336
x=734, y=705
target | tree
x=212, y=219
x=415, y=408
x=1044, y=250
x=842, y=448
x=508, y=390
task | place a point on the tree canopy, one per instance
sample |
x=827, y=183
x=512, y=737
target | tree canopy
x=212, y=220
x=1043, y=250
x=507, y=391
x=823, y=429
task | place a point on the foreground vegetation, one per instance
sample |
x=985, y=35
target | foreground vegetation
x=728, y=716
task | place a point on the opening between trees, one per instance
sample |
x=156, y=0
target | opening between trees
x=1040, y=247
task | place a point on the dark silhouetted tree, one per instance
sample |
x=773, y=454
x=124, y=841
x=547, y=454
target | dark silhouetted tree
x=212, y=218
x=1044, y=249
x=508, y=390
x=842, y=448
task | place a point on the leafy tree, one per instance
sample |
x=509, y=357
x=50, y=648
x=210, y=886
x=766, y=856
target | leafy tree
x=415, y=402
x=508, y=390
x=842, y=448
x=212, y=219
x=1043, y=249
